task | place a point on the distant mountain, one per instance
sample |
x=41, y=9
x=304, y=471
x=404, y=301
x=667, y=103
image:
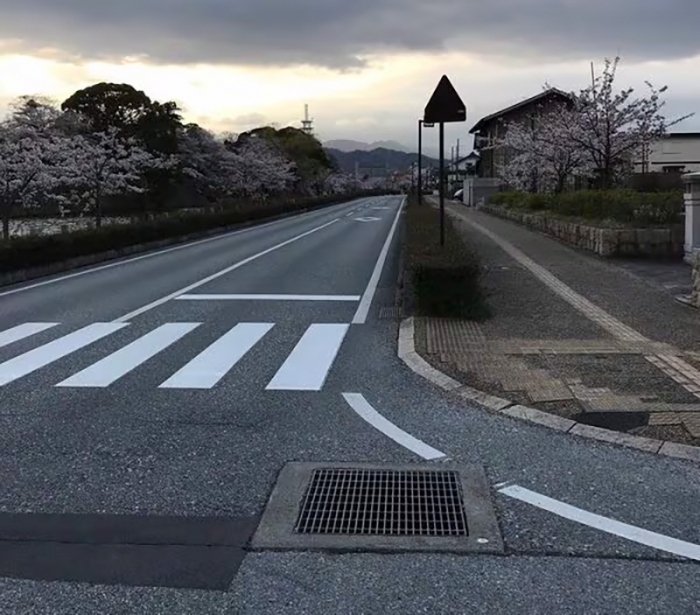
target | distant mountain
x=348, y=145
x=377, y=161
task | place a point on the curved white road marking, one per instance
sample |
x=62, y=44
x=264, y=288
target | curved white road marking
x=611, y=526
x=360, y=405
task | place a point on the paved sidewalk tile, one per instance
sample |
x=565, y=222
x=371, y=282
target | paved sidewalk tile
x=545, y=349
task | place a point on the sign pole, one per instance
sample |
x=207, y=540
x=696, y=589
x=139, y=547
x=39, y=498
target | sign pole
x=444, y=105
x=442, y=183
x=420, y=162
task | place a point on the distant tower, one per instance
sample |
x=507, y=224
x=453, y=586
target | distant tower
x=307, y=124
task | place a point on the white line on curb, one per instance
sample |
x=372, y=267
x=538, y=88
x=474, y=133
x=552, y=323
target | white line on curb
x=611, y=526
x=363, y=309
x=360, y=405
x=218, y=274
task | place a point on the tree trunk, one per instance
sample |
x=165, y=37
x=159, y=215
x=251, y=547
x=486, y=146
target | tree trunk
x=98, y=208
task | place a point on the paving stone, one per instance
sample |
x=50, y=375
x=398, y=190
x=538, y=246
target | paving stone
x=645, y=444
x=664, y=418
x=538, y=346
x=682, y=451
x=537, y=416
x=692, y=424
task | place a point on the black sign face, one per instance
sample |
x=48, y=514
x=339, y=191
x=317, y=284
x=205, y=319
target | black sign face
x=445, y=105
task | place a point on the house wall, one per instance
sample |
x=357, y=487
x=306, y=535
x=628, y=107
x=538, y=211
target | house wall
x=496, y=129
x=672, y=151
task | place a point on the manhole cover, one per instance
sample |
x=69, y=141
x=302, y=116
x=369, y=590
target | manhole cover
x=382, y=502
x=380, y=507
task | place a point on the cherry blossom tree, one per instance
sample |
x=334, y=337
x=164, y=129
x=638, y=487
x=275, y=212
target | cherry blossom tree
x=539, y=153
x=262, y=169
x=341, y=183
x=209, y=165
x=611, y=126
x=99, y=165
x=26, y=162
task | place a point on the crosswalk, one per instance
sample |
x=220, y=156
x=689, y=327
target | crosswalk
x=305, y=368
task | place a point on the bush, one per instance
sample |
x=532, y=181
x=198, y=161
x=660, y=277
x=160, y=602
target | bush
x=445, y=280
x=623, y=206
x=36, y=251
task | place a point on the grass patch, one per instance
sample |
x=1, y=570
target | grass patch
x=446, y=281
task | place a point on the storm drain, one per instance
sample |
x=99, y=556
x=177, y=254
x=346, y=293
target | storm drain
x=383, y=502
x=380, y=507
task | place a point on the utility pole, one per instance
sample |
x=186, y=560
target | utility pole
x=420, y=162
x=421, y=124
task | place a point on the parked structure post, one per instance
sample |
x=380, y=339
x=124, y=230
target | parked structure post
x=692, y=214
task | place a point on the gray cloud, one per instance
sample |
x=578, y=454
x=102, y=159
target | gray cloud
x=337, y=33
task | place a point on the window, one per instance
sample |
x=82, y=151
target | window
x=676, y=168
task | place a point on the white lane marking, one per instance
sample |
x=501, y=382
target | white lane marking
x=218, y=274
x=611, y=526
x=48, y=353
x=366, y=301
x=308, y=364
x=268, y=298
x=367, y=219
x=119, y=363
x=25, y=330
x=188, y=244
x=360, y=405
x=211, y=365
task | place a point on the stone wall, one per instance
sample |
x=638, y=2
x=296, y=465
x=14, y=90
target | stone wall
x=663, y=242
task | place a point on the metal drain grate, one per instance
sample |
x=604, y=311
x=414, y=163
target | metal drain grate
x=383, y=502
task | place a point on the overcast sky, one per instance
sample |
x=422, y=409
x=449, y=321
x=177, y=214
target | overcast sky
x=365, y=67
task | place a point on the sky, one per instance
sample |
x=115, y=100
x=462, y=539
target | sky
x=366, y=68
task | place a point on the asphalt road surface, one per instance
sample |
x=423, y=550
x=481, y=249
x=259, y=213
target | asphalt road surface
x=148, y=406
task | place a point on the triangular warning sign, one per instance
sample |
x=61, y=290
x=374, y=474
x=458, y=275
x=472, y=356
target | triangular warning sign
x=445, y=105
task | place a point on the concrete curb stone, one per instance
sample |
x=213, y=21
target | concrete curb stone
x=408, y=354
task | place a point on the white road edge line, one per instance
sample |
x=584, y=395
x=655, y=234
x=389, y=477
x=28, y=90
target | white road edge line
x=611, y=526
x=151, y=254
x=268, y=298
x=360, y=405
x=218, y=274
x=366, y=301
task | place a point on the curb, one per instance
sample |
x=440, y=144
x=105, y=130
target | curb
x=407, y=353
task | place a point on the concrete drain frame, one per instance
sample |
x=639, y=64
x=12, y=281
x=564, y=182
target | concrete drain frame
x=277, y=531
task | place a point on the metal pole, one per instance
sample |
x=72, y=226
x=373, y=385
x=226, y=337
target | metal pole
x=420, y=162
x=442, y=183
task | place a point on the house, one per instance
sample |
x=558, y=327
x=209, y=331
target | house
x=490, y=129
x=676, y=152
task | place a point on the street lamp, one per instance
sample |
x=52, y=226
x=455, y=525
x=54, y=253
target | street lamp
x=421, y=123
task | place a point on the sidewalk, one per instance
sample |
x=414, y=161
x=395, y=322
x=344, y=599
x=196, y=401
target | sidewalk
x=601, y=342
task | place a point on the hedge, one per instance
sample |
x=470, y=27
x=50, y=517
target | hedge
x=445, y=279
x=624, y=206
x=36, y=251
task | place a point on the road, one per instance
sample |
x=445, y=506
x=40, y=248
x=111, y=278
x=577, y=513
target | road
x=171, y=389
